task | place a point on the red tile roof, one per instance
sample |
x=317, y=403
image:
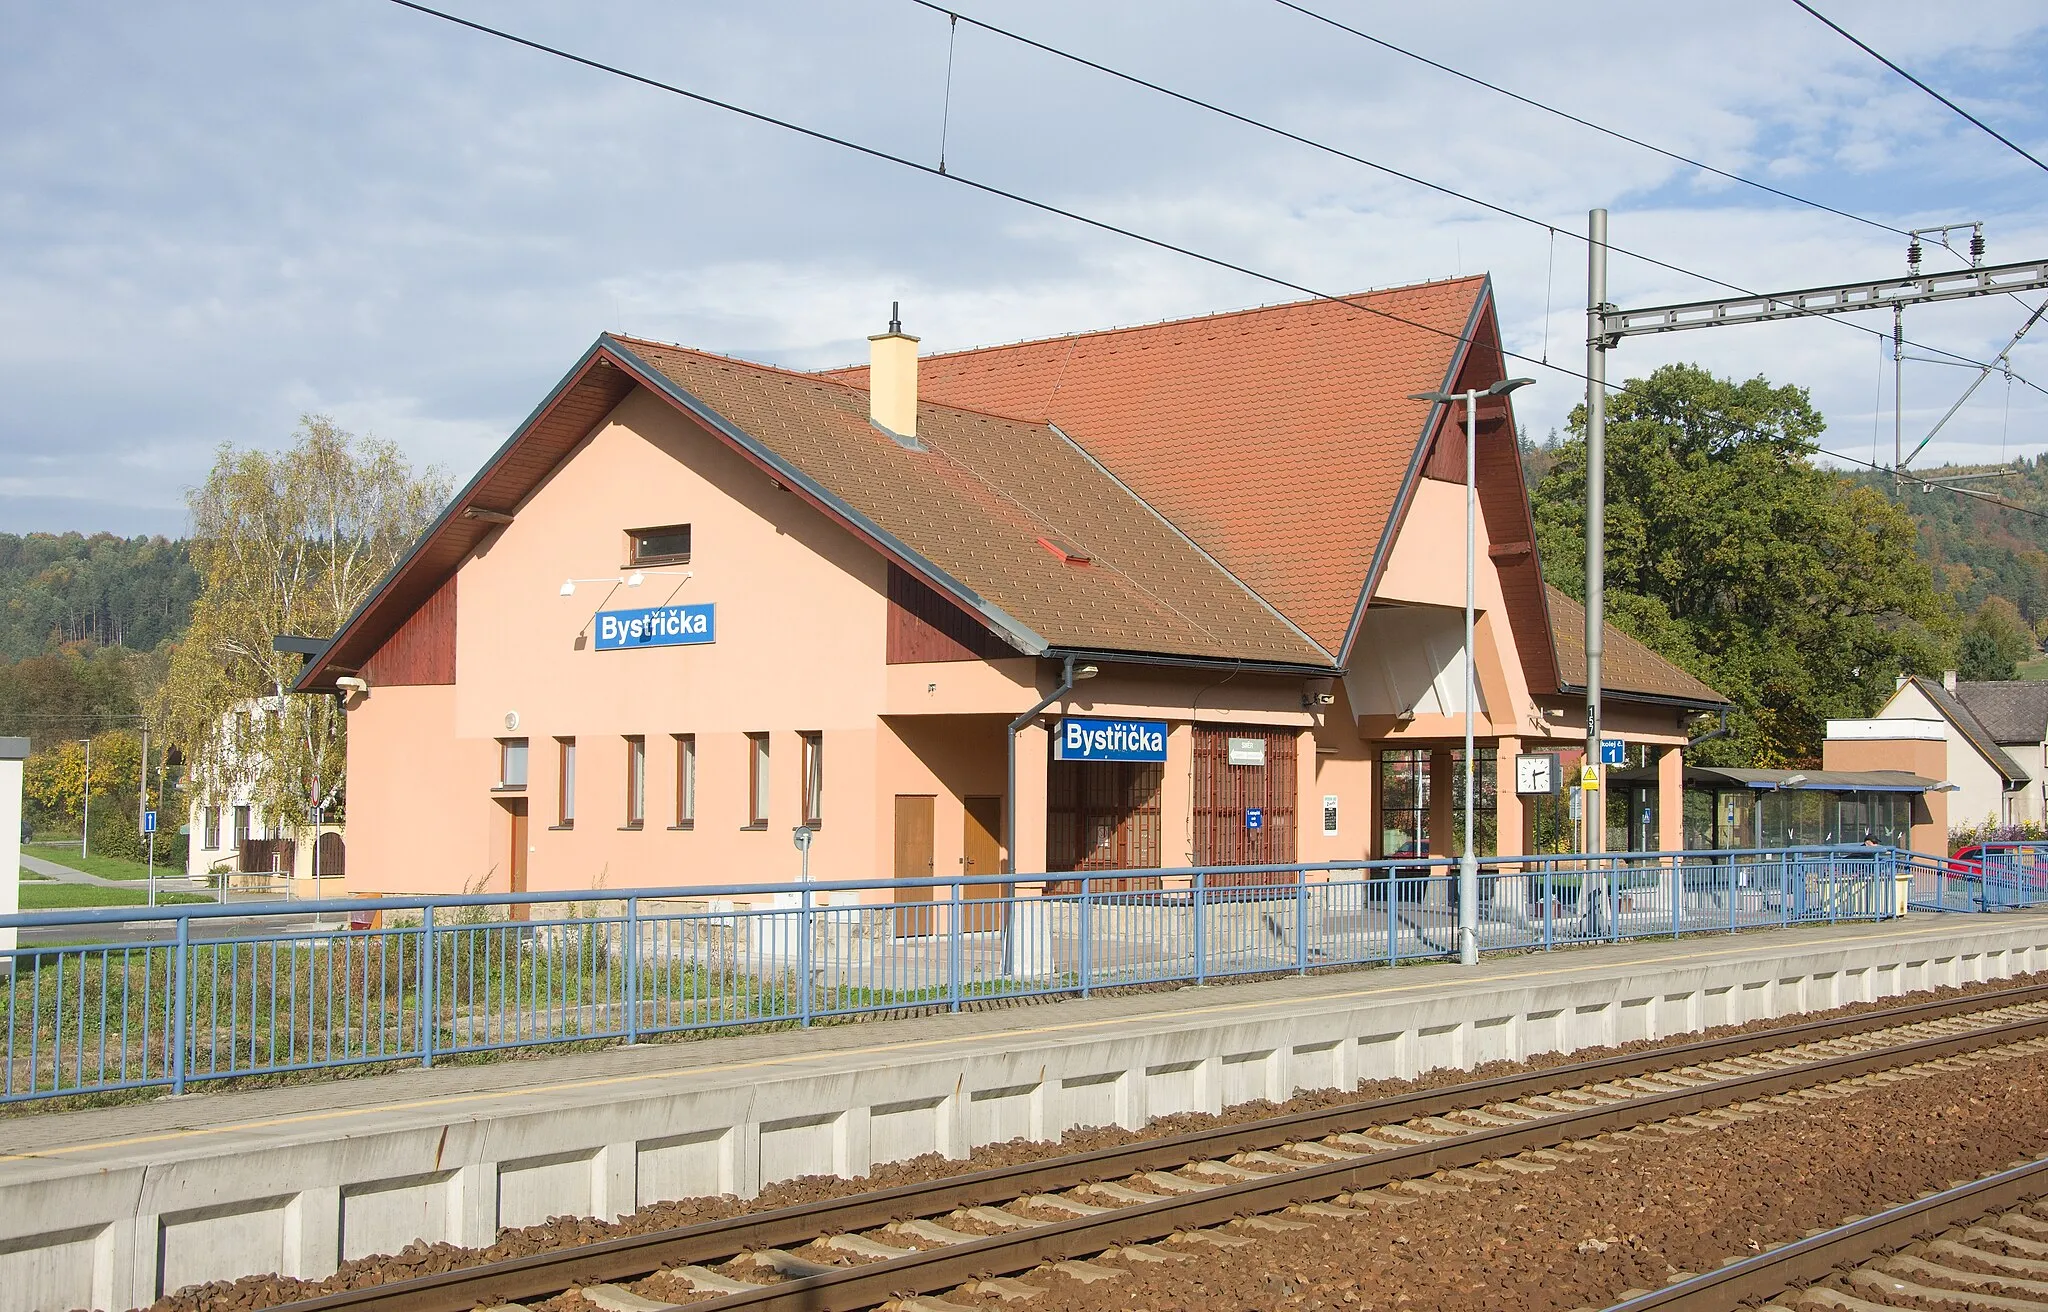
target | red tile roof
x=1234, y=481
x=1626, y=664
x=980, y=500
x=1280, y=439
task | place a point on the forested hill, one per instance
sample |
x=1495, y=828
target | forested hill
x=1979, y=549
x=101, y=589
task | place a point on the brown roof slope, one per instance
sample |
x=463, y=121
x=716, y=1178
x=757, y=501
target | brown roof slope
x=1626, y=665
x=1277, y=438
x=1972, y=729
x=2012, y=711
x=976, y=502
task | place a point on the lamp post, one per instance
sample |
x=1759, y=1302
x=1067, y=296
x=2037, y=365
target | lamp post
x=85, y=819
x=1468, y=863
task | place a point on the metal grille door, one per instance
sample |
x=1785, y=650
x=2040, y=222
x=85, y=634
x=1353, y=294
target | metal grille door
x=1244, y=814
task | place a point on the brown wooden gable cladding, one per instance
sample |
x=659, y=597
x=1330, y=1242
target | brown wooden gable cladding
x=422, y=652
x=923, y=626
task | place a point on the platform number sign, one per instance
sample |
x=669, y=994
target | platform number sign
x=1254, y=817
x=149, y=822
x=1613, y=751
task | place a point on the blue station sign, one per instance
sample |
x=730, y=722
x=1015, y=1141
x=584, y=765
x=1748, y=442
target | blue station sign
x=657, y=626
x=1084, y=739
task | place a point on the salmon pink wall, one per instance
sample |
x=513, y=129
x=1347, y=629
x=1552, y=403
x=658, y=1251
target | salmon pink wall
x=800, y=615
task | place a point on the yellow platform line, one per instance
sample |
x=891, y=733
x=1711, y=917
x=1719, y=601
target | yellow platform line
x=792, y=1059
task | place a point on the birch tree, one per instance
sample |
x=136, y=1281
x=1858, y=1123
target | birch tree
x=285, y=543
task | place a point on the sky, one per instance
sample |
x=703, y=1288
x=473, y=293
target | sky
x=216, y=218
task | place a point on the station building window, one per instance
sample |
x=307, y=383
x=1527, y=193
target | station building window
x=757, y=781
x=212, y=827
x=565, y=786
x=814, y=778
x=636, y=782
x=241, y=825
x=686, y=780
x=667, y=545
x=1485, y=802
x=1404, y=801
x=511, y=763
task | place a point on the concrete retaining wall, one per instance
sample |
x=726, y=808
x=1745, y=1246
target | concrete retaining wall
x=115, y=1227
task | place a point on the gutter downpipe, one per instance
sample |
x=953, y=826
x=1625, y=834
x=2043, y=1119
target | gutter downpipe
x=1010, y=811
x=1066, y=686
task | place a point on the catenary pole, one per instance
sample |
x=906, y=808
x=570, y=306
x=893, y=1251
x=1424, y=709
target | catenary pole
x=1596, y=509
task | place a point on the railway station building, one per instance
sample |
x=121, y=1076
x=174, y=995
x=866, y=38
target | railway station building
x=1182, y=594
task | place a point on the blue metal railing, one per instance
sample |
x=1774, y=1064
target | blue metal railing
x=1991, y=877
x=121, y=998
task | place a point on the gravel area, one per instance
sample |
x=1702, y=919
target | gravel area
x=425, y=1259
x=1588, y=1231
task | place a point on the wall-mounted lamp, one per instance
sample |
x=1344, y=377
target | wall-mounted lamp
x=633, y=580
x=351, y=683
x=1086, y=671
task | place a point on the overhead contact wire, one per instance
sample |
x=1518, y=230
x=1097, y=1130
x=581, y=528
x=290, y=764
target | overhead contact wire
x=1570, y=117
x=1860, y=44
x=1046, y=207
x=1389, y=170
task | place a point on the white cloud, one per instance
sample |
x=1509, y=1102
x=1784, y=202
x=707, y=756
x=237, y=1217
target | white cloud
x=215, y=218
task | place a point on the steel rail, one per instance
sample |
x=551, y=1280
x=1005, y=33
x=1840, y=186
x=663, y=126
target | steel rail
x=1804, y=1261
x=542, y=1275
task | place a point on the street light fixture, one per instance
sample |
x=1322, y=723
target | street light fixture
x=1468, y=863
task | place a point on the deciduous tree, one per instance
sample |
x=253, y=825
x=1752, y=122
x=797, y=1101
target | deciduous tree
x=1791, y=590
x=285, y=543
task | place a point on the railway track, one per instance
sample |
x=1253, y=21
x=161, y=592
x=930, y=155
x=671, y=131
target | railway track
x=1983, y=1244
x=1165, y=1199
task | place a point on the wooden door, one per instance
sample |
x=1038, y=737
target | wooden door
x=515, y=812
x=915, y=832
x=982, y=854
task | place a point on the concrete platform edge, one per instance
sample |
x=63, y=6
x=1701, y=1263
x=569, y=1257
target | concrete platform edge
x=113, y=1224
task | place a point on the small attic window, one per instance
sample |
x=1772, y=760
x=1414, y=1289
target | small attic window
x=668, y=545
x=1066, y=551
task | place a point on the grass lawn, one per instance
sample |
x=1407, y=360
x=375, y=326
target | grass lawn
x=2034, y=669
x=106, y=867
x=52, y=896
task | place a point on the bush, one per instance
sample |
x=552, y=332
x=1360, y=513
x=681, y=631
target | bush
x=1989, y=831
x=114, y=834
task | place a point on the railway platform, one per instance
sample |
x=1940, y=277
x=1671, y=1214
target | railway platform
x=109, y=1207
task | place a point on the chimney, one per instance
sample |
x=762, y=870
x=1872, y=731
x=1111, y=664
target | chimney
x=892, y=378
x=1948, y=680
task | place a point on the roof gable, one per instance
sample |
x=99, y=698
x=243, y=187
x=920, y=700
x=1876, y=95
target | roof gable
x=1979, y=738
x=968, y=511
x=1279, y=439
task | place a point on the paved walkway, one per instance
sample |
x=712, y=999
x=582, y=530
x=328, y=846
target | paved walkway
x=64, y=874
x=343, y=1106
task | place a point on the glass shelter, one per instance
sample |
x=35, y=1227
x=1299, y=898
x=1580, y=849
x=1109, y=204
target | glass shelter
x=1728, y=808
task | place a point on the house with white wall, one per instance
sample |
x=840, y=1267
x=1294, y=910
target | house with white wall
x=1993, y=733
x=230, y=830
